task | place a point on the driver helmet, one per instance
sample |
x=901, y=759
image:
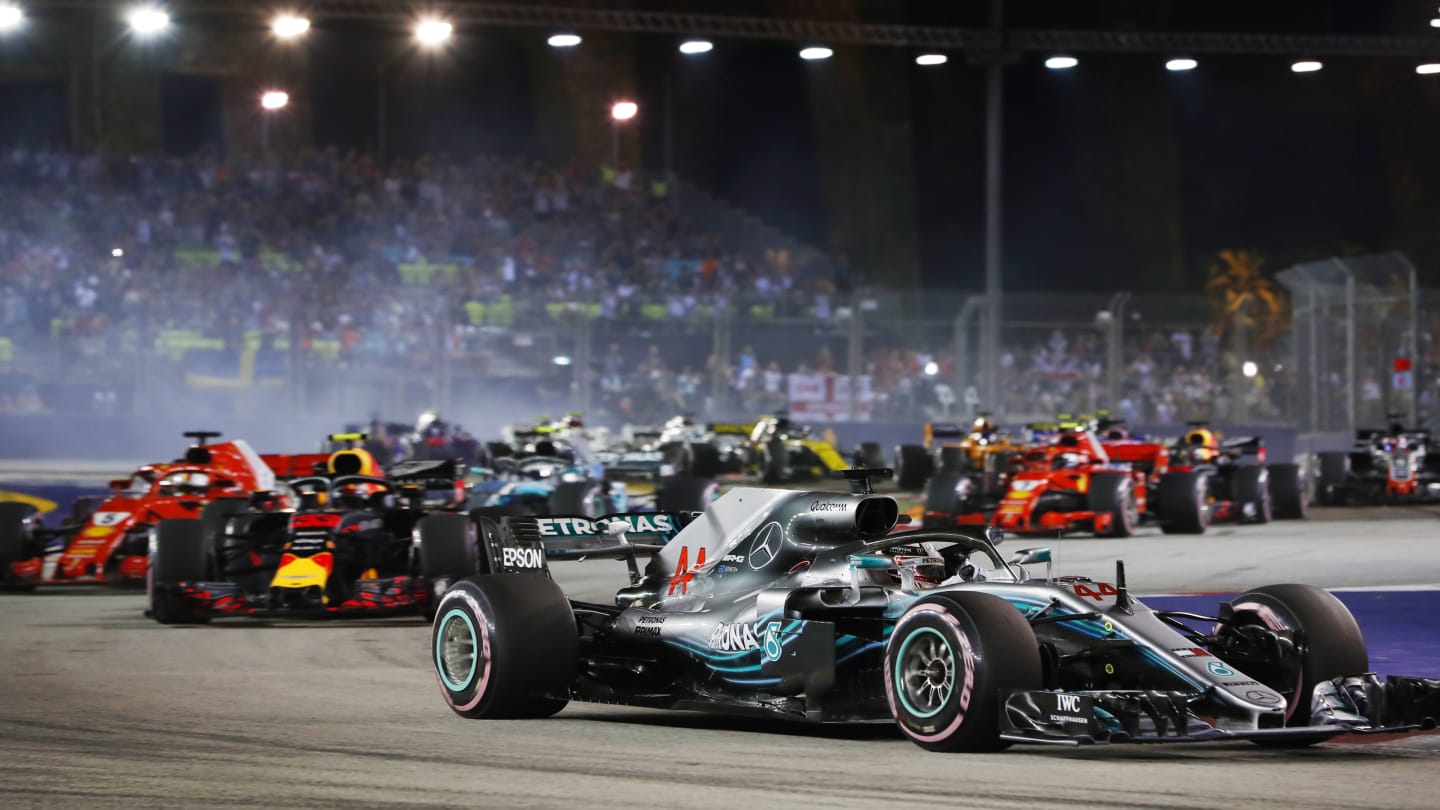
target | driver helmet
x=429, y=420
x=1202, y=443
x=189, y=483
x=1115, y=429
x=352, y=461
x=983, y=428
x=1065, y=461
x=916, y=564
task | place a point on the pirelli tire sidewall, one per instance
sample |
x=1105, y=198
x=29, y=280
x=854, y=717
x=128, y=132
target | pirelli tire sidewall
x=993, y=650
x=525, y=646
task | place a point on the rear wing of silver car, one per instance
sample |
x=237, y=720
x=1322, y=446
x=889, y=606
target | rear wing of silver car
x=527, y=544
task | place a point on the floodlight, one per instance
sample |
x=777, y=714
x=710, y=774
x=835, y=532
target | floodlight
x=432, y=32
x=11, y=17
x=289, y=26
x=147, y=20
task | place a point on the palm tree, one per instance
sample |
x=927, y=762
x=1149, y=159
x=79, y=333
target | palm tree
x=1242, y=294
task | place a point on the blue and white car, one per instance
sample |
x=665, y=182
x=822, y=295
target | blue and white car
x=548, y=475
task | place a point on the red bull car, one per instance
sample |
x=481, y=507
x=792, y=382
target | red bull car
x=108, y=544
x=359, y=544
x=1240, y=486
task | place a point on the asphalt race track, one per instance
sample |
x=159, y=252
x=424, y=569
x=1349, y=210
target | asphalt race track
x=101, y=707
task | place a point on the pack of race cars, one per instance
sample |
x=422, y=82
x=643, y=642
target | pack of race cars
x=816, y=606
x=1089, y=475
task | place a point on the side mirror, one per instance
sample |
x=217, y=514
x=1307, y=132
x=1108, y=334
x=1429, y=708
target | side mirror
x=615, y=528
x=119, y=483
x=996, y=536
x=1029, y=556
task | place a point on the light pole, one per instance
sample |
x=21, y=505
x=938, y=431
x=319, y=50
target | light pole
x=620, y=112
x=271, y=102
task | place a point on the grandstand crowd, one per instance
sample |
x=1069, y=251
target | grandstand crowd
x=328, y=259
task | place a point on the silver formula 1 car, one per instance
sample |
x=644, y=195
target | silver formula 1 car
x=811, y=606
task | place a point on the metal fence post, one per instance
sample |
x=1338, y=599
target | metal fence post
x=963, y=376
x=1114, y=348
x=447, y=330
x=854, y=348
x=1349, y=349
x=580, y=398
x=1413, y=412
x=1240, y=348
x=1314, y=360
x=720, y=351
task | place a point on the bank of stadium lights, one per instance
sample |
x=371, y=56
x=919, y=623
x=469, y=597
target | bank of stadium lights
x=1428, y=69
x=432, y=32
x=11, y=17
x=929, y=59
x=274, y=99
x=1307, y=66
x=816, y=52
x=690, y=47
x=147, y=21
x=1435, y=23
x=1181, y=64
x=1061, y=62
x=563, y=40
x=289, y=26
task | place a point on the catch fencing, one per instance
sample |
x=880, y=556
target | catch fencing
x=872, y=355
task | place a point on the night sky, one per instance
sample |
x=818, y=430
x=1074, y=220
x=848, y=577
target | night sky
x=1108, y=166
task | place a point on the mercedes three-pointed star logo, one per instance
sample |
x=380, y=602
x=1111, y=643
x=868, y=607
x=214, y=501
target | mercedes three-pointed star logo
x=766, y=545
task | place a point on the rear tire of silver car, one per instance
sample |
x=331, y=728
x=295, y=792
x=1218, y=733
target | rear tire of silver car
x=1181, y=503
x=913, y=467
x=949, y=662
x=1288, y=498
x=584, y=498
x=1328, y=644
x=1251, y=487
x=505, y=646
x=181, y=553
x=1113, y=494
x=686, y=494
x=704, y=460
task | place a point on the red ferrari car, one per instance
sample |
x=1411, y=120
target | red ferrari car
x=110, y=544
